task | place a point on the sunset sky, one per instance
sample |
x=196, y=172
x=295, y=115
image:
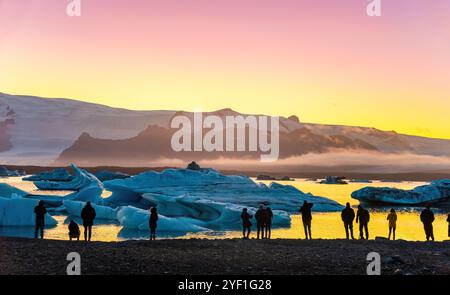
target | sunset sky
x=325, y=61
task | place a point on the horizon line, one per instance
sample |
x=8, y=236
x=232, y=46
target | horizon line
x=216, y=110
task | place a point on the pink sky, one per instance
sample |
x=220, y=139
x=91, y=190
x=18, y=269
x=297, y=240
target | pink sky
x=323, y=60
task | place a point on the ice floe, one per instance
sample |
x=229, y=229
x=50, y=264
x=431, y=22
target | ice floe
x=210, y=184
x=59, y=174
x=80, y=179
x=187, y=200
x=436, y=191
x=103, y=212
x=7, y=190
x=18, y=211
x=135, y=218
x=108, y=175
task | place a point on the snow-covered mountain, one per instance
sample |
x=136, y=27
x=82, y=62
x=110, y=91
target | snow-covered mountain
x=34, y=130
x=38, y=131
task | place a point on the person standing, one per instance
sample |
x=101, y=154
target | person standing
x=246, y=224
x=448, y=220
x=153, y=222
x=427, y=218
x=88, y=215
x=260, y=216
x=268, y=223
x=347, y=216
x=392, y=217
x=40, y=212
x=363, y=217
x=305, y=210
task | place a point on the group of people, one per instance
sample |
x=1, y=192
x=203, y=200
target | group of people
x=363, y=217
x=88, y=215
x=263, y=217
x=348, y=216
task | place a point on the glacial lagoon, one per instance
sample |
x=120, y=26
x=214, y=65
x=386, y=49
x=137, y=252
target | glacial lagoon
x=326, y=225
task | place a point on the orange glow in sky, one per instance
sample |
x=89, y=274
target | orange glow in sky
x=324, y=61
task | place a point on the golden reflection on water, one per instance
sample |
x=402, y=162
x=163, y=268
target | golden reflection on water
x=324, y=226
x=100, y=232
x=341, y=193
x=329, y=226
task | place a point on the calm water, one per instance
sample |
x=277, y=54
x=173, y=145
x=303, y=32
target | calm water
x=325, y=225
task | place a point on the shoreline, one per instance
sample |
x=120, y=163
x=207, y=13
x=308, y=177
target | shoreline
x=224, y=257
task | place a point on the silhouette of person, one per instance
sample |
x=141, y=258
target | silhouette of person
x=427, y=218
x=305, y=210
x=392, y=217
x=448, y=220
x=74, y=230
x=246, y=224
x=347, y=216
x=40, y=212
x=88, y=215
x=268, y=222
x=363, y=217
x=260, y=216
x=153, y=222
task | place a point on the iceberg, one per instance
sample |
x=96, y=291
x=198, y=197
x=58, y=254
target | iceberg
x=91, y=193
x=81, y=179
x=51, y=202
x=180, y=214
x=59, y=174
x=209, y=184
x=103, y=212
x=436, y=192
x=87, y=187
x=108, y=175
x=209, y=214
x=19, y=211
x=134, y=218
x=187, y=200
x=4, y=172
x=7, y=190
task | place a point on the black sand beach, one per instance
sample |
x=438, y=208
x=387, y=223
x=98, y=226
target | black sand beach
x=224, y=257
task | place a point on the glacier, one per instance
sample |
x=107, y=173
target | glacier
x=435, y=192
